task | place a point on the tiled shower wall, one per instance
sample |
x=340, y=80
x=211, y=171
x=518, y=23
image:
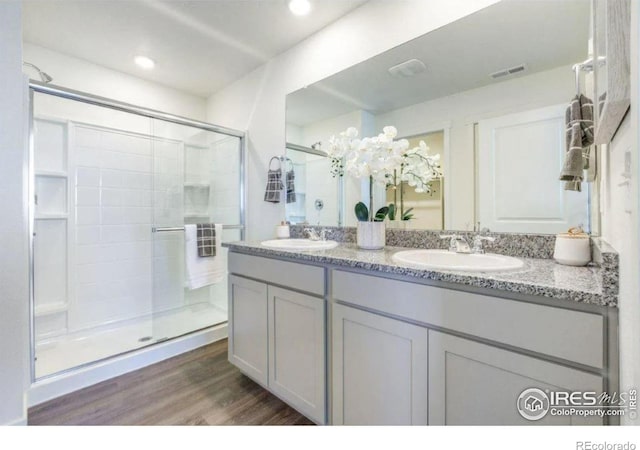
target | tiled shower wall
x=114, y=215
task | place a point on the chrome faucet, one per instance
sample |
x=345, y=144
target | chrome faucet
x=312, y=234
x=457, y=244
x=477, y=243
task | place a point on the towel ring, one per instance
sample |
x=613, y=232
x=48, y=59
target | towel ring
x=277, y=158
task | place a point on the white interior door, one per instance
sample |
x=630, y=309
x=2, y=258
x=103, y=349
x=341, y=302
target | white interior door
x=519, y=160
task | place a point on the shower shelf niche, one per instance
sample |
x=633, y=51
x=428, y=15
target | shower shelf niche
x=51, y=173
x=197, y=186
x=51, y=308
x=196, y=216
x=51, y=226
x=50, y=282
x=51, y=195
x=51, y=216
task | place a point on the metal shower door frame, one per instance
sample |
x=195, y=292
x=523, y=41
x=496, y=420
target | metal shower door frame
x=83, y=97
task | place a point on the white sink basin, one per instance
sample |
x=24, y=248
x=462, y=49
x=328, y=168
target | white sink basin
x=299, y=244
x=446, y=260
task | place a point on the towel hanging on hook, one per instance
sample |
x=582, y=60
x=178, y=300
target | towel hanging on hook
x=290, y=182
x=274, y=182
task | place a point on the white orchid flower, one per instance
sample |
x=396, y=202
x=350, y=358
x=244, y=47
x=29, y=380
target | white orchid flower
x=390, y=131
x=419, y=168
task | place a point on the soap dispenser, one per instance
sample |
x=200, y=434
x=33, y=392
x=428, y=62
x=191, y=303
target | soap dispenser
x=282, y=230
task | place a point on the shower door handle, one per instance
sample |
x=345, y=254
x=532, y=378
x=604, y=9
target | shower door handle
x=163, y=229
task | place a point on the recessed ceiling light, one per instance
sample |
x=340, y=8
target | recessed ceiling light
x=300, y=7
x=144, y=62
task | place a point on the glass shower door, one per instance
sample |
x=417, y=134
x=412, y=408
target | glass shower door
x=196, y=180
x=113, y=189
x=91, y=245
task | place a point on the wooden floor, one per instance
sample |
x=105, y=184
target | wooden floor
x=197, y=388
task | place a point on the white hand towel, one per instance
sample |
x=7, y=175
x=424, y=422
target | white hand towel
x=203, y=271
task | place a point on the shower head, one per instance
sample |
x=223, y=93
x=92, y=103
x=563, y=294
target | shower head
x=45, y=77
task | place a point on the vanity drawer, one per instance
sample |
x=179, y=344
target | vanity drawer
x=292, y=275
x=572, y=335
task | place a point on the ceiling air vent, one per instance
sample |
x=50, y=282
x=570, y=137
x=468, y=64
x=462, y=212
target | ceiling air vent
x=408, y=68
x=509, y=71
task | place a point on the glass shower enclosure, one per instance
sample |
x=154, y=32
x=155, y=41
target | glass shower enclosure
x=113, y=186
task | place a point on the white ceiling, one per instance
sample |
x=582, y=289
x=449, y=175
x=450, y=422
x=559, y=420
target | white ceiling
x=542, y=34
x=199, y=46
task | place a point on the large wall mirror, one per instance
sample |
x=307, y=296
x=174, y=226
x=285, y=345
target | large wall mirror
x=487, y=93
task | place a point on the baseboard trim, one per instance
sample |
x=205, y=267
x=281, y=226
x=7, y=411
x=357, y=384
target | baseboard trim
x=56, y=386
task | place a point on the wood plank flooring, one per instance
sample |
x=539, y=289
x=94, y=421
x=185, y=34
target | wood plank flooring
x=197, y=388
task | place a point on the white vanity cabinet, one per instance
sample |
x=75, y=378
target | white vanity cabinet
x=471, y=383
x=248, y=324
x=379, y=369
x=297, y=350
x=277, y=335
x=409, y=353
x=405, y=352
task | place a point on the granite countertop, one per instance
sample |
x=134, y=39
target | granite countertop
x=540, y=277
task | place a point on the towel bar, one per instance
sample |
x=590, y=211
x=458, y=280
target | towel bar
x=163, y=229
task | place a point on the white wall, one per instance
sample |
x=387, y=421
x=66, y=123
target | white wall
x=81, y=75
x=14, y=287
x=257, y=102
x=322, y=130
x=620, y=224
x=461, y=111
x=294, y=134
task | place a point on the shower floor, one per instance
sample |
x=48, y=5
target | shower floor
x=69, y=351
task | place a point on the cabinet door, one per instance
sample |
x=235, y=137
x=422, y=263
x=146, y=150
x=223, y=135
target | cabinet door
x=379, y=369
x=297, y=351
x=477, y=384
x=248, y=344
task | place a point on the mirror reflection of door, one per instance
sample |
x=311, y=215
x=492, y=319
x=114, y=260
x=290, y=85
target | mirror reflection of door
x=519, y=158
x=426, y=208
